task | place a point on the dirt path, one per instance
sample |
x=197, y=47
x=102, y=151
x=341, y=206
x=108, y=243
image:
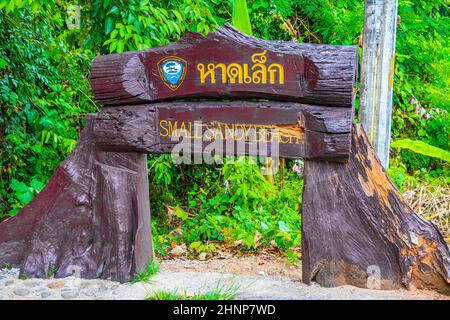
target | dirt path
x=249, y=277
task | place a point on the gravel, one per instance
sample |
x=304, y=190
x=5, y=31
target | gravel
x=245, y=286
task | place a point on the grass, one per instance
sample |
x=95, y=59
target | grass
x=220, y=292
x=145, y=276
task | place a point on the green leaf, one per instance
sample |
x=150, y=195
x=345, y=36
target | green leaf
x=240, y=18
x=3, y=63
x=422, y=148
x=109, y=25
x=18, y=186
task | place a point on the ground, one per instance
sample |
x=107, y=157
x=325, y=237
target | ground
x=252, y=277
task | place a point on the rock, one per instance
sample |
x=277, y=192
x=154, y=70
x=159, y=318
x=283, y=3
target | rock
x=56, y=285
x=202, y=256
x=102, y=288
x=261, y=273
x=31, y=284
x=89, y=293
x=69, y=294
x=45, y=295
x=39, y=289
x=9, y=283
x=21, y=291
x=178, y=250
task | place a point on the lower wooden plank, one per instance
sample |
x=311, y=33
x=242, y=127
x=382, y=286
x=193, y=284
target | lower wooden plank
x=283, y=129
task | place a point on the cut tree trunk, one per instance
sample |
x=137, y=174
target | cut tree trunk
x=358, y=230
x=92, y=217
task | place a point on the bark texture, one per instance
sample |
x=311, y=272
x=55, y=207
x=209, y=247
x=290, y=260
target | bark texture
x=357, y=226
x=92, y=218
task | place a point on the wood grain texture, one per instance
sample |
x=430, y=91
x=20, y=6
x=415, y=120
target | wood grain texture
x=313, y=74
x=312, y=132
x=92, y=217
x=354, y=221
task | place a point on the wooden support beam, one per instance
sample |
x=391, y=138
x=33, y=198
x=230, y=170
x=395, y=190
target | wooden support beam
x=301, y=131
x=355, y=222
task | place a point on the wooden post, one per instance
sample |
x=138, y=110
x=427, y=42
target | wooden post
x=377, y=74
x=358, y=230
x=92, y=216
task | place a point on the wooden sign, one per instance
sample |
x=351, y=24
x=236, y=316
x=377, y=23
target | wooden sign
x=228, y=64
x=94, y=214
x=284, y=129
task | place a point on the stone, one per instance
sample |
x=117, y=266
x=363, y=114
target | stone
x=9, y=283
x=56, y=285
x=21, y=291
x=69, y=294
x=102, y=288
x=202, y=256
x=178, y=251
x=31, y=284
x=45, y=295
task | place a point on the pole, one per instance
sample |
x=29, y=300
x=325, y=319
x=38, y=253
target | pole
x=377, y=74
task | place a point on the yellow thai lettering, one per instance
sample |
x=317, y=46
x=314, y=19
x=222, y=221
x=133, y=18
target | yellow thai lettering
x=235, y=73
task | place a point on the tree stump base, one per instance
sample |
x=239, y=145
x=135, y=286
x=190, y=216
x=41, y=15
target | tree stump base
x=92, y=218
x=358, y=230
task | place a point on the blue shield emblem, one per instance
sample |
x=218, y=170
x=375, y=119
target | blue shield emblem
x=172, y=71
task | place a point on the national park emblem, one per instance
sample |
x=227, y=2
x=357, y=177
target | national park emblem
x=172, y=71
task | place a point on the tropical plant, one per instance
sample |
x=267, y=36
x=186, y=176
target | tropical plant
x=422, y=148
x=240, y=19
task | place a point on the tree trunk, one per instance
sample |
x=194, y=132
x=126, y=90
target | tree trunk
x=358, y=230
x=92, y=217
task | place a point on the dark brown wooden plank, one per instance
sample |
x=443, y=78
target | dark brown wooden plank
x=358, y=230
x=284, y=129
x=314, y=74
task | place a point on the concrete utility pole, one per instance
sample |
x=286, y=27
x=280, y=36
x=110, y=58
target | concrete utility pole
x=377, y=74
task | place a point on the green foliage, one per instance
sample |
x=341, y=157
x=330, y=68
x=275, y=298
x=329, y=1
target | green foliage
x=44, y=94
x=422, y=148
x=220, y=292
x=229, y=206
x=240, y=19
x=117, y=26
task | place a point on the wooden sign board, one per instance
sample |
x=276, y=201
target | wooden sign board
x=285, y=129
x=228, y=64
x=101, y=223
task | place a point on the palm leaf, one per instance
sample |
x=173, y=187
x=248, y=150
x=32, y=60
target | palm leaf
x=422, y=148
x=240, y=18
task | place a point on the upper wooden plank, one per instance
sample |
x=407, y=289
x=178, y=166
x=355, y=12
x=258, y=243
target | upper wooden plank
x=228, y=64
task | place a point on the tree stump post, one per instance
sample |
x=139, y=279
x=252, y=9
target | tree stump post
x=92, y=218
x=358, y=230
